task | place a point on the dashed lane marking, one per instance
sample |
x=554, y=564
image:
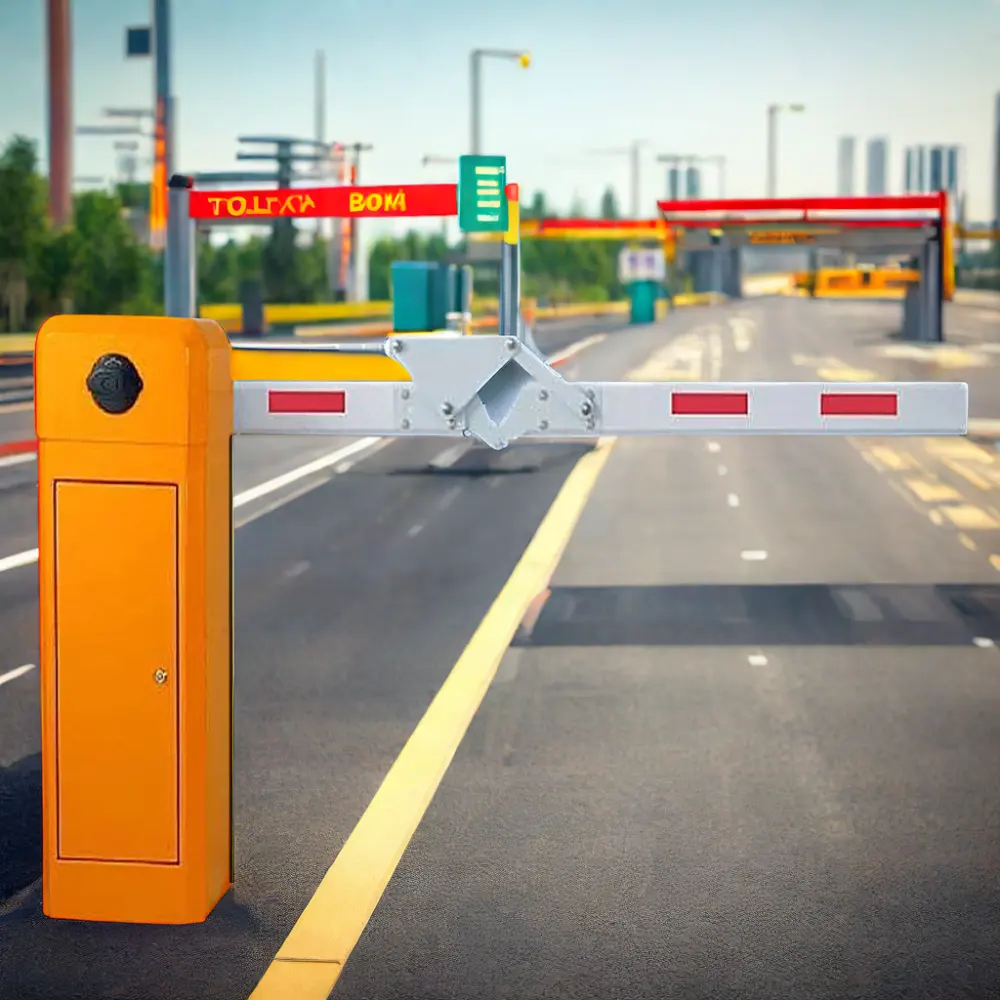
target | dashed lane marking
x=970, y=518
x=932, y=492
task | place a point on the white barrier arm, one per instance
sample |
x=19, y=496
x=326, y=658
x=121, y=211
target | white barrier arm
x=498, y=389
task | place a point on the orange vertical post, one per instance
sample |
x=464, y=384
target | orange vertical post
x=134, y=419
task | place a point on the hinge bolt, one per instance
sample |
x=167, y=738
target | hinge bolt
x=511, y=343
x=543, y=394
x=405, y=424
x=405, y=394
x=586, y=408
x=447, y=409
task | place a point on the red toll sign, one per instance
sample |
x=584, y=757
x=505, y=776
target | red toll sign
x=326, y=202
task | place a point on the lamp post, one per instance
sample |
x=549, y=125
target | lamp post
x=475, y=85
x=773, y=111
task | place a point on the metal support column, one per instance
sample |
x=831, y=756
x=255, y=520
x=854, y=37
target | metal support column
x=931, y=327
x=510, y=268
x=180, y=283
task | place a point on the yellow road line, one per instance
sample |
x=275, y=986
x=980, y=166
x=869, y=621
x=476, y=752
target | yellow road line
x=930, y=491
x=972, y=477
x=970, y=518
x=893, y=459
x=312, y=957
x=967, y=542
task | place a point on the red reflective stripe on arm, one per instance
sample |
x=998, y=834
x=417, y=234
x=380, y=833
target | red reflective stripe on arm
x=859, y=404
x=296, y=401
x=710, y=404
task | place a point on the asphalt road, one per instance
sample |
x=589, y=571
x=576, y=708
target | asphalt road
x=747, y=747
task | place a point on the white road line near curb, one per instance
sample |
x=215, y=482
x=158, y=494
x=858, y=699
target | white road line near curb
x=15, y=673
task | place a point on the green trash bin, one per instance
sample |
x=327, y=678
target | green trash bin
x=412, y=310
x=642, y=299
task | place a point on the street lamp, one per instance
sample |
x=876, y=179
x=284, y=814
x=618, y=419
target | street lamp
x=475, y=58
x=773, y=111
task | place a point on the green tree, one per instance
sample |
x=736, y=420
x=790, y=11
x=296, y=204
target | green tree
x=609, y=204
x=111, y=273
x=23, y=229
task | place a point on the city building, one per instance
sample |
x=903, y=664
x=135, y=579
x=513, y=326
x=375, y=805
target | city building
x=878, y=156
x=845, y=166
x=934, y=168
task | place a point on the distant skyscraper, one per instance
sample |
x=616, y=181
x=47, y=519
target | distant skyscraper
x=673, y=184
x=909, y=172
x=936, y=169
x=921, y=155
x=845, y=166
x=878, y=155
x=693, y=182
x=951, y=178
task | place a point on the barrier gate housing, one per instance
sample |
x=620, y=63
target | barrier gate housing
x=135, y=419
x=912, y=224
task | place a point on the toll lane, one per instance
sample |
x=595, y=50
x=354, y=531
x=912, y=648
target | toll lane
x=743, y=746
x=352, y=602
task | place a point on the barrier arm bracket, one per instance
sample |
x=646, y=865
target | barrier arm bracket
x=500, y=389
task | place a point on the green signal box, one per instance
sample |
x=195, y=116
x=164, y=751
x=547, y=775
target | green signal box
x=482, y=205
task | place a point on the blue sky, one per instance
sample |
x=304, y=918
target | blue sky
x=688, y=77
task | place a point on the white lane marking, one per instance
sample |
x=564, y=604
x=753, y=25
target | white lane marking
x=753, y=555
x=742, y=327
x=757, y=660
x=18, y=559
x=297, y=570
x=15, y=673
x=369, y=445
x=722, y=470
x=981, y=641
x=715, y=355
x=580, y=345
x=415, y=530
x=446, y=501
x=449, y=456
x=733, y=500
x=714, y=447
x=287, y=498
x=28, y=456
x=294, y=475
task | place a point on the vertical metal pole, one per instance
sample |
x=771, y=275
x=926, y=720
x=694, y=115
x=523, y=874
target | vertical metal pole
x=510, y=268
x=161, y=37
x=772, y=151
x=475, y=68
x=635, y=180
x=60, y=112
x=319, y=109
x=179, y=276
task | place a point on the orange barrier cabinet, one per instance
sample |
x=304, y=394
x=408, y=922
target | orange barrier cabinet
x=134, y=420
